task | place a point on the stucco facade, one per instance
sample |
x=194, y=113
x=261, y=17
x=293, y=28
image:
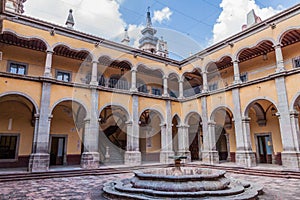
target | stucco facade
x=67, y=98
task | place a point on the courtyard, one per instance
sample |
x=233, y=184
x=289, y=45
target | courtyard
x=90, y=187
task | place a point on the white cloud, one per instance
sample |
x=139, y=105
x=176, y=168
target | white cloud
x=162, y=15
x=234, y=15
x=98, y=17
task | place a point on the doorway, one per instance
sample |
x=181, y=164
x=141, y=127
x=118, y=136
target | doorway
x=194, y=147
x=57, y=151
x=264, y=148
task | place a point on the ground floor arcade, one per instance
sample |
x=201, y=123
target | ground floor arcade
x=113, y=138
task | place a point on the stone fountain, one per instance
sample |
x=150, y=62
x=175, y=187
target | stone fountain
x=181, y=183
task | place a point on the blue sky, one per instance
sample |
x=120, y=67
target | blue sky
x=188, y=26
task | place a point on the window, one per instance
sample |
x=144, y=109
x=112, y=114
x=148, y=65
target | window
x=244, y=77
x=296, y=62
x=156, y=91
x=142, y=87
x=63, y=76
x=213, y=86
x=101, y=81
x=17, y=68
x=8, y=146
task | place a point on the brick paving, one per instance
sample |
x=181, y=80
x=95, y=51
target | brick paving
x=89, y=187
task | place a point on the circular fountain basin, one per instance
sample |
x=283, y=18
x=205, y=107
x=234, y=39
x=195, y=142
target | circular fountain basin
x=190, y=183
x=190, y=179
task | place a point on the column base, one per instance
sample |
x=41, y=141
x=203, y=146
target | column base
x=184, y=153
x=133, y=158
x=245, y=159
x=210, y=157
x=39, y=162
x=291, y=160
x=90, y=160
x=164, y=157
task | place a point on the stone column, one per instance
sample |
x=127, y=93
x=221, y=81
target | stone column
x=294, y=115
x=35, y=133
x=183, y=142
x=244, y=155
x=180, y=82
x=205, y=83
x=290, y=157
x=166, y=139
x=228, y=147
x=133, y=80
x=279, y=58
x=165, y=84
x=210, y=155
x=94, y=73
x=40, y=158
x=133, y=155
x=90, y=157
x=166, y=145
x=236, y=69
x=48, y=64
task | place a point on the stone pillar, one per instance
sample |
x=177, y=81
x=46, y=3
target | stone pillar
x=166, y=145
x=205, y=83
x=166, y=139
x=94, y=73
x=294, y=115
x=165, y=84
x=244, y=155
x=180, y=89
x=48, y=64
x=36, y=120
x=236, y=69
x=90, y=157
x=133, y=155
x=228, y=147
x=290, y=157
x=279, y=58
x=183, y=142
x=40, y=158
x=210, y=155
x=133, y=80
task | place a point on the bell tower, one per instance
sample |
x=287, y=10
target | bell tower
x=15, y=6
x=148, y=41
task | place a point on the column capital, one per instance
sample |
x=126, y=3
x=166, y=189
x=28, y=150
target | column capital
x=49, y=51
x=211, y=123
x=163, y=125
x=204, y=72
x=36, y=115
x=246, y=119
x=235, y=61
x=87, y=120
x=182, y=126
x=278, y=45
x=129, y=122
x=134, y=69
x=165, y=77
x=95, y=61
x=180, y=81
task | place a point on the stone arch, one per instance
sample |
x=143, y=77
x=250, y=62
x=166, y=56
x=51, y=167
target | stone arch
x=189, y=114
x=72, y=100
x=31, y=100
x=262, y=40
x=210, y=62
x=249, y=104
x=150, y=68
x=284, y=32
x=294, y=100
x=221, y=107
x=69, y=47
x=27, y=37
x=156, y=111
x=116, y=105
x=176, y=116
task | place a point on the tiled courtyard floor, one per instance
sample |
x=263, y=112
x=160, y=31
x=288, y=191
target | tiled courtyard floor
x=89, y=187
